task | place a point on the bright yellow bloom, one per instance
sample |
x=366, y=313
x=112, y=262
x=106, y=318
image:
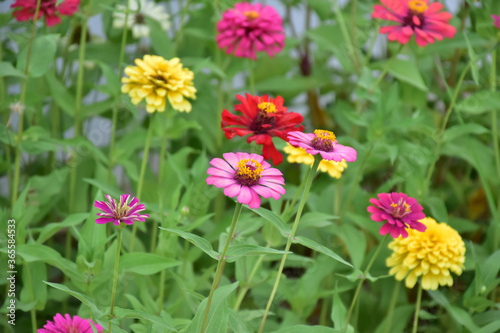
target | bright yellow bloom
x=431, y=254
x=155, y=79
x=299, y=155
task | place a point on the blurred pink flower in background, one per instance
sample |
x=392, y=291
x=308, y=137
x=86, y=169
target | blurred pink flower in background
x=247, y=29
x=66, y=324
x=324, y=143
x=496, y=20
x=121, y=211
x=48, y=9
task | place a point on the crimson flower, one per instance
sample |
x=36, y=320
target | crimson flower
x=496, y=20
x=48, y=9
x=262, y=118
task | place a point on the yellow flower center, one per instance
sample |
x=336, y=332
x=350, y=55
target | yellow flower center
x=323, y=140
x=400, y=209
x=407, y=207
x=417, y=6
x=248, y=172
x=325, y=135
x=251, y=14
x=267, y=107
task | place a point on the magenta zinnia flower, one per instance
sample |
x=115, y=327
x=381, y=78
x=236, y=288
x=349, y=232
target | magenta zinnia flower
x=67, y=325
x=121, y=211
x=400, y=211
x=246, y=176
x=324, y=143
x=496, y=20
x=48, y=9
x=248, y=28
x=418, y=17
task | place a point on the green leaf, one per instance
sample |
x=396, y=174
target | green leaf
x=309, y=243
x=460, y=315
x=437, y=208
x=237, y=251
x=104, y=187
x=6, y=69
x=408, y=72
x=339, y=312
x=292, y=84
x=473, y=60
x=63, y=98
x=37, y=140
x=42, y=55
x=145, y=263
x=463, y=130
x=274, y=219
x=197, y=241
x=51, y=229
x=96, y=312
x=161, y=42
x=308, y=329
x=480, y=102
x=160, y=321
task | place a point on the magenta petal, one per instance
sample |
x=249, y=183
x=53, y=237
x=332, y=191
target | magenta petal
x=244, y=196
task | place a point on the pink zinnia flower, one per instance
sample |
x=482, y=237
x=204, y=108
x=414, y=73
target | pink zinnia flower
x=246, y=176
x=248, y=28
x=417, y=17
x=400, y=211
x=496, y=20
x=48, y=8
x=324, y=143
x=68, y=325
x=121, y=211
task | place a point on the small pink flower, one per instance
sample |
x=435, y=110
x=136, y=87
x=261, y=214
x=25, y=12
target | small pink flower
x=67, y=325
x=246, y=176
x=48, y=9
x=121, y=211
x=496, y=20
x=248, y=28
x=400, y=211
x=419, y=17
x=324, y=143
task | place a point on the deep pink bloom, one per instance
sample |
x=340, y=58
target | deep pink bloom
x=248, y=28
x=67, y=325
x=400, y=211
x=496, y=20
x=246, y=176
x=48, y=9
x=418, y=17
x=121, y=211
x=324, y=143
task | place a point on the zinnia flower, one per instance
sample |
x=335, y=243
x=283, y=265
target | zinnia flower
x=496, y=20
x=263, y=118
x=299, y=155
x=155, y=79
x=67, y=325
x=48, y=9
x=431, y=254
x=248, y=28
x=246, y=176
x=400, y=211
x=324, y=143
x=139, y=10
x=121, y=211
x=418, y=17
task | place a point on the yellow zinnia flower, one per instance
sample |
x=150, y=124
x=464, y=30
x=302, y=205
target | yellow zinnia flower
x=299, y=155
x=431, y=254
x=155, y=79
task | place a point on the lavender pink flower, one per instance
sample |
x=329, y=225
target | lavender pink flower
x=248, y=28
x=496, y=20
x=399, y=211
x=69, y=325
x=121, y=211
x=246, y=176
x=324, y=143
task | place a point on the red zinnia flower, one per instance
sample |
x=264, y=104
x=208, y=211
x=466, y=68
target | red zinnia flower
x=418, y=17
x=496, y=20
x=48, y=8
x=263, y=118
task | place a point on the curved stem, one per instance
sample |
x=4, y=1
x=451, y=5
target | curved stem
x=115, y=277
x=417, y=308
x=221, y=263
x=363, y=278
x=303, y=200
x=392, y=306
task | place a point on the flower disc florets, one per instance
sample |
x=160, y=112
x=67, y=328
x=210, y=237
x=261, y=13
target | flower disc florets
x=248, y=172
x=323, y=141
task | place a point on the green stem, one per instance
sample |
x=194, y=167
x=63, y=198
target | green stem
x=291, y=206
x=115, y=107
x=141, y=175
x=32, y=297
x=345, y=34
x=363, y=278
x=115, y=277
x=354, y=38
x=303, y=200
x=385, y=70
x=22, y=99
x=221, y=263
x=392, y=306
x=162, y=290
x=251, y=76
x=154, y=234
x=178, y=35
x=417, y=308
x=494, y=123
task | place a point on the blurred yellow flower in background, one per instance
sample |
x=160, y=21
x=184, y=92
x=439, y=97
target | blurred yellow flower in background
x=299, y=155
x=431, y=255
x=156, y=79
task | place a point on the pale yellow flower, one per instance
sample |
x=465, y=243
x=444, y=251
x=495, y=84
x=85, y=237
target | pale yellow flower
x=156, y=79
x=431, y=255
x=299, y=155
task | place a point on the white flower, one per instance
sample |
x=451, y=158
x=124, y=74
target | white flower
x=139, y=9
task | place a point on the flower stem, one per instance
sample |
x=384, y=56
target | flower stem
x=115, y=277
x=141, y=175
x=363, y=278
x=303, y=200
x=221, y=263
x=392, y=306
x=385, y=70
x=22, y=98
x=417, y=308
x=251, y=76
x=115, y=107
x=154, y=234
x=494, y=124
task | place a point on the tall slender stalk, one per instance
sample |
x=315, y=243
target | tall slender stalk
x=392, y=306
x=154, y=233
x=22, y=100
x=251, y=76
x=115, y=277
x=417, y=308
x=303, y=200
